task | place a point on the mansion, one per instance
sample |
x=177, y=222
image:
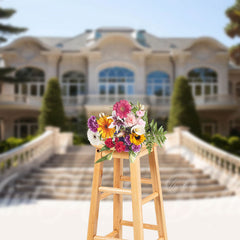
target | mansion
x=101, y=66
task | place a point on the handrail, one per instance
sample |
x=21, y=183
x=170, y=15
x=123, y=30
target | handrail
x=220, y=158
x=21, y=159
x=27, y=152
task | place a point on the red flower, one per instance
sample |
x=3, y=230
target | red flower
x=109, y=143
x=120, y=147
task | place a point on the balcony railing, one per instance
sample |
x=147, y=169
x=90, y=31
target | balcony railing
x=201, y=101
x=221, y=100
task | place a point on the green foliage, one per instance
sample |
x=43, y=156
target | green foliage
x=13, y=142
x=230, y=144
x=52, y=111
x=154, y=135
x=234, y=144
x=220, y=141
x=6, y=30
x=183, y=111
x=79, y=128
x=233, y=29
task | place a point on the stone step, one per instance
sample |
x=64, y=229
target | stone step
x=71, y=196
x=89, y=175
x=126, y=170
x=79, y=165
x=88, y=189
x=109, y=181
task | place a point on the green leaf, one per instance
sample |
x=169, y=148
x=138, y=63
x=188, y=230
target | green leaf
x=107, y=157
x=132, y=156
x=104, y=148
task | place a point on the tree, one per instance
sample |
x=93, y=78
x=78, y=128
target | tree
x=233, y=29
x=52, y=111
x=183, y=111
x=6, y=29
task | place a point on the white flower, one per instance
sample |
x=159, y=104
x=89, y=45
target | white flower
x=138, y=129
x=94, y=138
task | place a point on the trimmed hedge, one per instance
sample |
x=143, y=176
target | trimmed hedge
x=52, y=111
x=230, y=144
x=183, y=111
x=13, y=142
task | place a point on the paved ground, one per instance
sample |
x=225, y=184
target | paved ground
x=210, y=219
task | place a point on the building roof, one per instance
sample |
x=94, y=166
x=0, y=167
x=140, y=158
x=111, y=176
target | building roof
x=142, y=39
x=146, y=39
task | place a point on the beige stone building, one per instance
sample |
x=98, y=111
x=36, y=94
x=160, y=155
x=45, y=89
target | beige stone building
x=98, y=67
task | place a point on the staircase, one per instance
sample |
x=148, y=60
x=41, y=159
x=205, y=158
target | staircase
x=69, y=177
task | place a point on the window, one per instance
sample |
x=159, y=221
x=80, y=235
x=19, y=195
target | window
x=25, y=126
x=238, y=89
x=35, y=84
x=203, y=82
x=209, y=128
x=116, y=80
x=235, y=127
x=158, y=84
x=73, y=83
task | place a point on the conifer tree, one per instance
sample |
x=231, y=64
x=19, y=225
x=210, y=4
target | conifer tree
x=6, y=30
x=52, y=111
x=183, y=111
x=233, y=30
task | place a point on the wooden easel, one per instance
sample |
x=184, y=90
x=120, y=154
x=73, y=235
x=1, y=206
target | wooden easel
x=100, y=192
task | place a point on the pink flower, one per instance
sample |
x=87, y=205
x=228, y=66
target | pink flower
x=130, y=120
x=140, y=113
x=141, y=122
x=122, y=108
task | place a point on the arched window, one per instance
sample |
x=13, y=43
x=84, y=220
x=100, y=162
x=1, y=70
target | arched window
x=158, y=83
x=238, y=89
x=116, y=80
x=25, y=126
x=73, y=83
x=203, y=81
x=35, y=85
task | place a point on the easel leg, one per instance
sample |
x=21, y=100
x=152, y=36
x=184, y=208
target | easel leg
x=136, y=199
x=158, y=201
x=117, y=198
x=95, y=198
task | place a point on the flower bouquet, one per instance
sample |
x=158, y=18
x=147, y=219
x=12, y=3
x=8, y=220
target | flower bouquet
x=126, y=130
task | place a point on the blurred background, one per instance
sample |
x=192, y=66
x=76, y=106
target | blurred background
x=63, y=61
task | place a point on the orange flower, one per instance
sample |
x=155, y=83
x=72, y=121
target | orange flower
x=104, y=129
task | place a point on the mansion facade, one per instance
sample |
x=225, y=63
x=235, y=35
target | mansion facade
x=98, y=67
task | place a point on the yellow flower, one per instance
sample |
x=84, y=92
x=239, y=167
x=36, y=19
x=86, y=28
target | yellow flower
x=137, y=139
x=103, y=127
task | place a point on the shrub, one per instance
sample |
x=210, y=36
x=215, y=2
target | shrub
x=13, y=142
x=52, y=111
x=234, y=144
x=183, y=111
x=220, y=141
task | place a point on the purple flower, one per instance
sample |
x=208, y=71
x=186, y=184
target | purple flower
x=136, y=148
x=126, y=148
x=92, y=124
x=127, y=140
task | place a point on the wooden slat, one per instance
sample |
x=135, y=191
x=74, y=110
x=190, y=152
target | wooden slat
x=135, y=176
x=105, y=195
x=143, y=180
x=158, y=201
x=104, y=238
x=117, y=198
x=149, y=198
x=145, y=225
x=112, y=234
x=95, y=198
x=115, y=190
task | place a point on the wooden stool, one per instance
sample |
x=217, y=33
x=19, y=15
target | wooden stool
x=99, y=192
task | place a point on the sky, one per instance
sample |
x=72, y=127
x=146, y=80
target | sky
x=164, y=18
